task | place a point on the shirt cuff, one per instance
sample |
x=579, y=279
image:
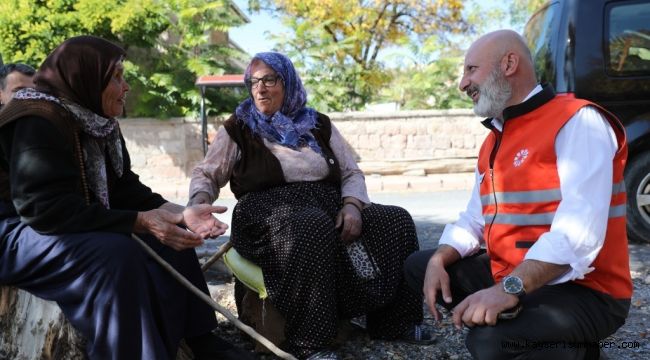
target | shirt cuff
x=556, y=249
x=211, y=191
x=460, y=239
x=357, y=191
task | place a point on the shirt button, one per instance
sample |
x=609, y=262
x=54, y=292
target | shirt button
x=332, y=161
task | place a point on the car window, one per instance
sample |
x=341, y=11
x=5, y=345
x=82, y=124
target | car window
x=538, y=33
x=628, y=28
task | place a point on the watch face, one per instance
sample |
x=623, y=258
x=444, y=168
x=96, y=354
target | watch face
x=513, y=285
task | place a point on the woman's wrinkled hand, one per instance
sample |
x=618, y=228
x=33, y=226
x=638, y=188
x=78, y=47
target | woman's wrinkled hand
x=163, y=225
x=349, y=223
x=199, y=220
x=200, y=197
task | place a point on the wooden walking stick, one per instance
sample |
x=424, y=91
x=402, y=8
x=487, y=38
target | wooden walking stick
x=208, y=300
x=222, y=250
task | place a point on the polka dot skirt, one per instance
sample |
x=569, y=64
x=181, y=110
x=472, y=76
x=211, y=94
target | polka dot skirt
x=289, y=232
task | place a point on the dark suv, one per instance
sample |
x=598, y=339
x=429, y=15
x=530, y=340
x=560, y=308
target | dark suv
x=600, y=50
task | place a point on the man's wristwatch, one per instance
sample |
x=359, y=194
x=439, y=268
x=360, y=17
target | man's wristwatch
x=513, y=285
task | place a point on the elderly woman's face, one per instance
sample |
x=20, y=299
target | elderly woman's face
x=268, y=98
x=114, y=95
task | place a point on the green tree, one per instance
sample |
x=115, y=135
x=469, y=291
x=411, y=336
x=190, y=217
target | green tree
x=336, y=44
x=429, y=80
x=521, y=10
x=168, y=44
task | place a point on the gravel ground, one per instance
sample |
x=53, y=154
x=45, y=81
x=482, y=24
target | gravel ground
x=629, y=342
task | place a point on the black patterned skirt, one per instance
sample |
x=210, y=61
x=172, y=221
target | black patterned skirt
x=289, y=232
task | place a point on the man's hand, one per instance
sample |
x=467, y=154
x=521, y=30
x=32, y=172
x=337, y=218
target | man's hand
x=163, y=224
x=436, y=279
x=349, y=223
x=483, y=307
x=199, y=220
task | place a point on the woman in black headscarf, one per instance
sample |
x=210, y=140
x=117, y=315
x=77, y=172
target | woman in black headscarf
x=68, y=202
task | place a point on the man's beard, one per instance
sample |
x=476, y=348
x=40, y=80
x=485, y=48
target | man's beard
x=494, y=93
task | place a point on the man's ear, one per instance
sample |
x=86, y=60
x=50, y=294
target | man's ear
x=509, y=63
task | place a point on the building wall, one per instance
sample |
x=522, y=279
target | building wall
x=411, y=143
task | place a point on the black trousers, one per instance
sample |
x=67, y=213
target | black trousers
x=563, y=321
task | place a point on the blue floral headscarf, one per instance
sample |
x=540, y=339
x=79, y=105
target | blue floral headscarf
x=291, y=126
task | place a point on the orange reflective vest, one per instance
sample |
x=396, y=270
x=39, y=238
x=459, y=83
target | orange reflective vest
x=520, y=192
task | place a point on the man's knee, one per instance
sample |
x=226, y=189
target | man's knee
x=415, y=268
x=489, y=343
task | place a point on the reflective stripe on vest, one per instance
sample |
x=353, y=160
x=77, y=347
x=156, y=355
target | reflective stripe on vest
x=526, y=197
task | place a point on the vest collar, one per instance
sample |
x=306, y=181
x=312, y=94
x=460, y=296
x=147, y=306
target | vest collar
x=545, y=95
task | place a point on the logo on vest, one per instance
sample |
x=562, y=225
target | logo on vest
x=520, y=157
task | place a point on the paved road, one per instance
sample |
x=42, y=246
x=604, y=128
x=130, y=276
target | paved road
x=430, y=211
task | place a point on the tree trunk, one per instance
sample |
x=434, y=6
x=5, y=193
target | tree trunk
x=35, y=329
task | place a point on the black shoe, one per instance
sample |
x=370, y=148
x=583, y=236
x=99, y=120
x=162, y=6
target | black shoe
x=359, y=322
x=211, y=347
x=418, y=335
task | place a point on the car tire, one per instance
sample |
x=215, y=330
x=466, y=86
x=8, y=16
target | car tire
x=637, y=180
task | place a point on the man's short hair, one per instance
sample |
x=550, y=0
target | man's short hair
x=7, y=69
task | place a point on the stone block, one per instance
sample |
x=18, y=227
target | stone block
x=419, y=142
x=469, y=142
x=166, y=134
x=353, y=140
x=457, y=142
x=392, y=128
x=372, y=128
x=374, y=141
x=421, y=153
x=441, y=143
x=414, y=172
x=393, y=142
x=408, y=128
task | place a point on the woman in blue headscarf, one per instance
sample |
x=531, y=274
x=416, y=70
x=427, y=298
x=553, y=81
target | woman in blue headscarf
x=303, y=215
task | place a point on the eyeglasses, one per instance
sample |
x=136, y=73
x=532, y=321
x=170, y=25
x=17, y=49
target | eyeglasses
x=268, y=81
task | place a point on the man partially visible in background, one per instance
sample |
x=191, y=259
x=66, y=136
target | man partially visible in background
x=14, y=77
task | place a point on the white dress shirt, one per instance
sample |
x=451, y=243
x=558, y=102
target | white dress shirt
x=585, y=149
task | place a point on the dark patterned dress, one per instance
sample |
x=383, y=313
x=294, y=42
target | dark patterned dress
x=289, y=232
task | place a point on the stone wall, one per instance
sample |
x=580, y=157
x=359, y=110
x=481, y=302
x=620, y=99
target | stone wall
x=412, y=135
x=412, y=143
